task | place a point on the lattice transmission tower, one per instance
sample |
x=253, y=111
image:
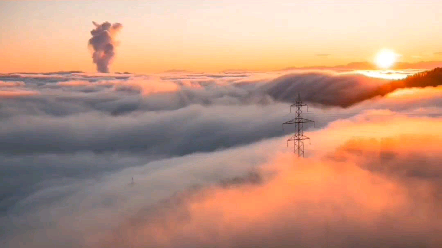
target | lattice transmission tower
x=298, y=137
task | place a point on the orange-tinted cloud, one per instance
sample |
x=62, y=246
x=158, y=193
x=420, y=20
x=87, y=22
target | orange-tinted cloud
x=372, y=191
x=16, y=93
x=146, y=86
x=11, y=83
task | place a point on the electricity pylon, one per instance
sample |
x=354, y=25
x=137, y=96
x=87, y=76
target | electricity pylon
x=298, y=137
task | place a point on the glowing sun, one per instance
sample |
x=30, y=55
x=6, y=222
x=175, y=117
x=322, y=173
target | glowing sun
x=385, y=58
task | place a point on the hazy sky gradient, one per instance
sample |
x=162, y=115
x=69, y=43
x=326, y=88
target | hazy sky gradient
x=214, y=36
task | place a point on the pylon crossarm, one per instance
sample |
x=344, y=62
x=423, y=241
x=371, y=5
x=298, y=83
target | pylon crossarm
x=307, y=120
x=289, y=122
x=297, y=121
x=298, y=105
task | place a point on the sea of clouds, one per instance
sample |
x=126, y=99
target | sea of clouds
x=209, y=161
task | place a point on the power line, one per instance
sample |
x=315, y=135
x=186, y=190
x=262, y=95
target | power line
x=298, y=137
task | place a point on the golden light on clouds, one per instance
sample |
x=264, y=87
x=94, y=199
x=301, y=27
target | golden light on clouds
x=386, y=74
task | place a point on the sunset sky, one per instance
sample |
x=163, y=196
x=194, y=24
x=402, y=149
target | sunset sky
x=210, y=36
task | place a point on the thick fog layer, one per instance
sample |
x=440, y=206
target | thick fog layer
x=209, y=161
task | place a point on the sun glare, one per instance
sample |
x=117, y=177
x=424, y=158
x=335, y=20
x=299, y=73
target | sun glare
x=385, y=58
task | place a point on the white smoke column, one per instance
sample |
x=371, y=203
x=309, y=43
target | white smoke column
x=103, y=43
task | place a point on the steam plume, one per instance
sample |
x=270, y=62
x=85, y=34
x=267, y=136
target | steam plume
x=103, y=43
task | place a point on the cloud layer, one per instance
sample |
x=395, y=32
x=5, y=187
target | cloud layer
x=209, y=162
x=366, y=191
